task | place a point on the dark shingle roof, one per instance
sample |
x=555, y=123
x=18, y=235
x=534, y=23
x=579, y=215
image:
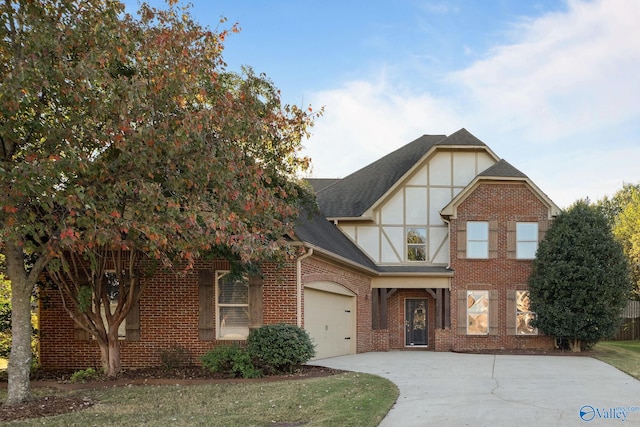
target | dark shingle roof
x=320, y=232
x=502, y=169
x=321, y=183
x=462, y=137
x=354, y=194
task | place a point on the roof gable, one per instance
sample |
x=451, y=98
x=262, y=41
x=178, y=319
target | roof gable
x=462, y=138
x=354, y=194
x=501, y=171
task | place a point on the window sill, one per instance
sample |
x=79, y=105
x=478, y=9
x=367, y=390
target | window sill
x=233, y=337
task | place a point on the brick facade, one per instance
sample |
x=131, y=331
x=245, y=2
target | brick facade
x=169, y=319
x=499, y=203
x=169, y=307
x=169, y=315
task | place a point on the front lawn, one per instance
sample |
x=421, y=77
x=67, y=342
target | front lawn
x=347, y=399
x=624, y=355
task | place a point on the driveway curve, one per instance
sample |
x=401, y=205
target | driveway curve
x=453, y=389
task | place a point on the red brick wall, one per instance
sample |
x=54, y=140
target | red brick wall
x=279, y=294
x=501, y=202
x=168, y=318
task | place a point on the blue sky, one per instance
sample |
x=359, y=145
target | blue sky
x=553, y=87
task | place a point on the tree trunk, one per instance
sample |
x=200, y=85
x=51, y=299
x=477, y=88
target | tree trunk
x=114, y=357
x=18, y=388
x=575, y=345
x=110, y=355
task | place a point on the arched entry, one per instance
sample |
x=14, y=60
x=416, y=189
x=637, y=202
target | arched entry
x=330, y=318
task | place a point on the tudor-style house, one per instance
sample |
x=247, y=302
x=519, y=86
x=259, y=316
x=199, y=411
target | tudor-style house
x=427, y=248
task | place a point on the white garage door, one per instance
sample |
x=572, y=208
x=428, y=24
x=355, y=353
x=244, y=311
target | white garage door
x=330, y=318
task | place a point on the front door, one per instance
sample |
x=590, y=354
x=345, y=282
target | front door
x=416, y=332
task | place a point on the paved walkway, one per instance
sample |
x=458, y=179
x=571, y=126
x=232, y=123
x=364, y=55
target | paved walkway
x=451, y=389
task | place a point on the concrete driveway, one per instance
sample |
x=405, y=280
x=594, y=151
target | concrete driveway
x=451, y=389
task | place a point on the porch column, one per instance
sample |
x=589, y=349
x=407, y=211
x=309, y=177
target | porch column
x=443, y=305
x=379, y=310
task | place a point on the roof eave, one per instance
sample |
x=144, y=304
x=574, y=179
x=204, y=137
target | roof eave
x=341, y=259
x=415, y=274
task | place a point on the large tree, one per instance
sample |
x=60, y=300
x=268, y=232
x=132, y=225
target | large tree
x=623, y=211
x=124, y=139
x=580, y=278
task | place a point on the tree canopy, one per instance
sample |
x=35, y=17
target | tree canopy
x=124, y=137
x=580, y=278
x=623, y=211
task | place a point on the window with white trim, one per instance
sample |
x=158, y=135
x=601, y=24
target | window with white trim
x=477, y=239
x=232, y=307
x=477, y=312
x=416, y=244
x=526, y=240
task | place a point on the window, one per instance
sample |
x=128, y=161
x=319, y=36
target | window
x=477, y=239
x=416, y=244
x=526, y=240
x=478, y=312
x=523, y=315
x=232, y=308
x=112, y=288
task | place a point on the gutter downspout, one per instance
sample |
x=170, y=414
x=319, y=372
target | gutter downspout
x=307, y=254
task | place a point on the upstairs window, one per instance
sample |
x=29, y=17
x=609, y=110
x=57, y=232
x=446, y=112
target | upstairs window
x=477, y=239
x=526, y=240
x=416, y=244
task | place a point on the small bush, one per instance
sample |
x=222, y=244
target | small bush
x=85, y=375
x=230, y=360
x=174, y=357
x=280, y=348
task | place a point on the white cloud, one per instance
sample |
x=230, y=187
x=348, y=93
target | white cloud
x=559, y=102
x=566, y=72
x=365, y=120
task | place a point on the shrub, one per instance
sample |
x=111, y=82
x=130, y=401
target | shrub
x=280, y=348
x=230, y=360
x=85, y=375
x=174, y=357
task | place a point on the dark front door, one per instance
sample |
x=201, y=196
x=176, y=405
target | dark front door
x=416, y=331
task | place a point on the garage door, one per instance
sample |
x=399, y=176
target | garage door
x=330, y=318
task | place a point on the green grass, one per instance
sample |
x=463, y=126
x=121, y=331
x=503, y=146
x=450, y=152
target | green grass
x=624, y=355
x=348, y=399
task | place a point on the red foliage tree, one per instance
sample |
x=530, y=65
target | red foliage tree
x=124, y=139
